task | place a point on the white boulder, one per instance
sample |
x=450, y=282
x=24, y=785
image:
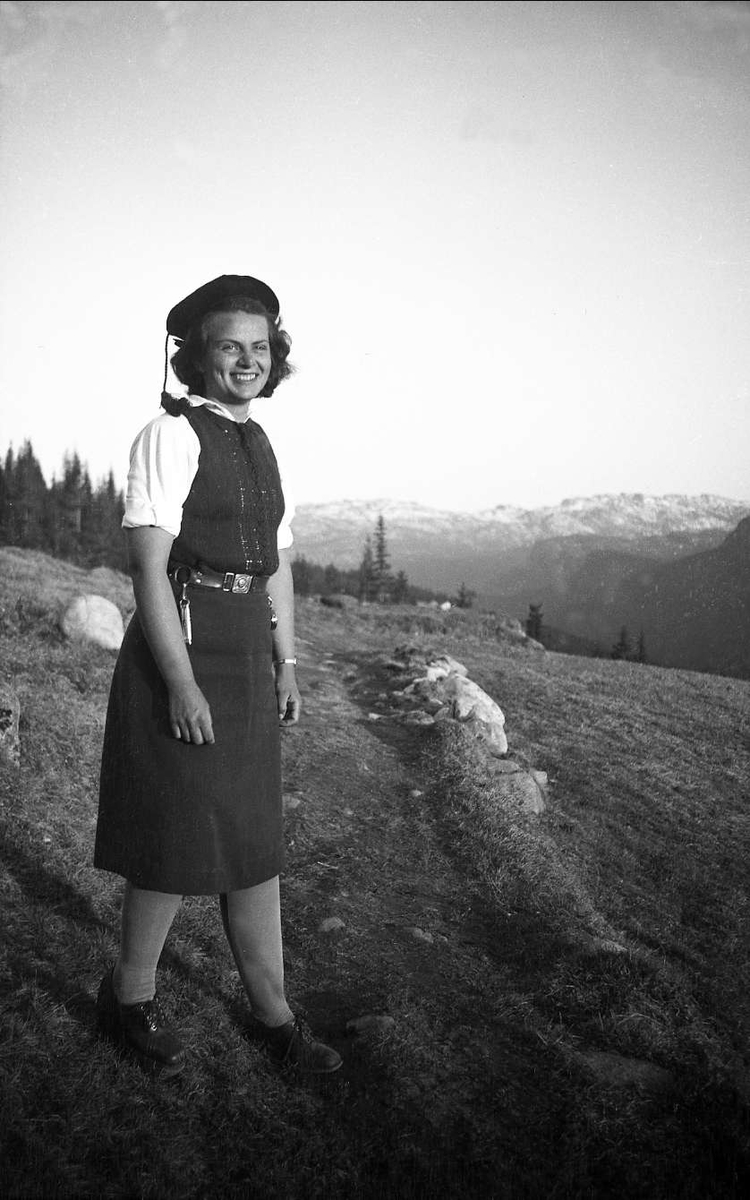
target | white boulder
x=478, y=711
x=91, y=618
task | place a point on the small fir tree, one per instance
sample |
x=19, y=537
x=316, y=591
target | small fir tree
x=381, y=562
x=534, y=623
x=366, y=573
x=302, y=575
x=621, y=648
x=400, y=588
x=640, y=654
x=465, y=597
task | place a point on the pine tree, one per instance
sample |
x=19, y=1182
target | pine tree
x=640, y=654
x=465, y=597
x=400, y=588
x=366, y=573
x=302, y=575
x=621, y=648
x=25, y=493
x=534, y=624
x=381, y=562
x=331, y=579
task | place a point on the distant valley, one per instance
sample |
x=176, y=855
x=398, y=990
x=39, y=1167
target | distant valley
x=676, y=567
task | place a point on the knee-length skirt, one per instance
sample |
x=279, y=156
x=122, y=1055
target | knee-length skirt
x=176, y=817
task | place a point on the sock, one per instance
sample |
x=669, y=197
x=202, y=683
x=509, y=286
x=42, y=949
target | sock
x=146, y=920
x=134, y=985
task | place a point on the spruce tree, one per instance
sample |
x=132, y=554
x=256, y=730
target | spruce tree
x=465, y=597
x=23, y=518
x=400, y=588
x=302, y=575
x=381, y=561
x=640, y=654
x=621, y=648
x=534, y=623
x=366, y=572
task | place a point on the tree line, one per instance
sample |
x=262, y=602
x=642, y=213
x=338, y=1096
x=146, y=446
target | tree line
x=624, y=649
x=74, y=519
x=71, y=518
x=372, y=581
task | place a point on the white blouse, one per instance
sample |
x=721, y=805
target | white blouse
x=163, y=464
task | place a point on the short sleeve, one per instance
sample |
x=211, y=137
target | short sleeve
x=285, y=537
x=163, y=463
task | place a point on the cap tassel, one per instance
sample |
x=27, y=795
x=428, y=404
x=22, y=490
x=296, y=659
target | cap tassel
x=174, y=405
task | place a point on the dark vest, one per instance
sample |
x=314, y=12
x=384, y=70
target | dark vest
x=234, y=508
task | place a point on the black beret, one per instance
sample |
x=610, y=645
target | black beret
x=208, y=297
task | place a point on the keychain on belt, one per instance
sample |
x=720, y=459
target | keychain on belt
x=184, y=606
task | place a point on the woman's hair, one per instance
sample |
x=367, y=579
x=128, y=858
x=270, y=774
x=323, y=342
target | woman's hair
x=186, y=362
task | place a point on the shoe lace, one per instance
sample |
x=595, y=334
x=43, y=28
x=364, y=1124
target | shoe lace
x=153, y=1014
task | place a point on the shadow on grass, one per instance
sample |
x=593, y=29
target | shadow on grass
x=36, y=953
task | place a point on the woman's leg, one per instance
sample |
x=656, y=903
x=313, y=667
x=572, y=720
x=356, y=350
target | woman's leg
x=127, y=1007
x=146, y=920
x=252, y=922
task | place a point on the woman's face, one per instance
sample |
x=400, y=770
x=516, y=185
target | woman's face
x=237, y=359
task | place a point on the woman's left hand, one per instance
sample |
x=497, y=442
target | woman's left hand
x=287, y=694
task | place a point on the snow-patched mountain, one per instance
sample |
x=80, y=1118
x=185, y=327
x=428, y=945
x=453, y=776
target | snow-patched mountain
x=437, y=547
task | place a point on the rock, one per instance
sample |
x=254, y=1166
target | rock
x=452, y=665
x=512, y=625
x=541, y=779
x=418, y=717
x=478, y=711
x=91, y=618
x=616, y=1073
x=505, y=766
x=371, y=1023
x=609, y=947
x=524, y=791
x=416, y=794
x=10, y=713
x=290, y=802
x=433, y=672
x=330, y=925
x=422, y=935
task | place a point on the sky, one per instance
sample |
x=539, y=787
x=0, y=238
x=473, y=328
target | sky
x=511, y=240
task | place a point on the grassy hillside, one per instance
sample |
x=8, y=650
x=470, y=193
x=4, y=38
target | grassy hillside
x=568, y=993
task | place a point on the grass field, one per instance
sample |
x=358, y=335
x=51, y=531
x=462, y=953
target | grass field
x=568, y=993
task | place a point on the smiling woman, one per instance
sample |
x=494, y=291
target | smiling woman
x=190, y=793
x=203, y=350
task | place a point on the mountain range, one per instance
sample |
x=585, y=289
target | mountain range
x=674, y=566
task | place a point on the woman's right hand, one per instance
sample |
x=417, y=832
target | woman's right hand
x=148, y=554
x=190, y=715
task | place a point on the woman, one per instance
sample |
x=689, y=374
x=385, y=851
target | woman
x=190, y=796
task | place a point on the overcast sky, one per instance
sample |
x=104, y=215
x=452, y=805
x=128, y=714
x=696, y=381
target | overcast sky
x=511, y=240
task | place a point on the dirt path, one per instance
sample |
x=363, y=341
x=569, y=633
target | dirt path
x=417, y=942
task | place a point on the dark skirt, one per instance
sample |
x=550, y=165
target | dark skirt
x=175, y=817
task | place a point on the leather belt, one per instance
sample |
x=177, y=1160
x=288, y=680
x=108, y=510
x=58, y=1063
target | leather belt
x=226, y=581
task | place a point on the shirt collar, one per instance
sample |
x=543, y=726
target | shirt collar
x=214, y=406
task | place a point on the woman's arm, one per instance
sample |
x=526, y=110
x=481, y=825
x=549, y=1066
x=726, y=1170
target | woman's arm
x=281, y=590
x=148, y=554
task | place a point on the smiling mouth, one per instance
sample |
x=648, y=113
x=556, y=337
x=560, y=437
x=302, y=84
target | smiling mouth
x=245, y=377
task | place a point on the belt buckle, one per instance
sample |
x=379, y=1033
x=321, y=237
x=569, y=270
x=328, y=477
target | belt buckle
x=242, y=584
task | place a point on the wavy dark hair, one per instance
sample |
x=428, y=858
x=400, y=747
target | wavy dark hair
x=186, y=361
